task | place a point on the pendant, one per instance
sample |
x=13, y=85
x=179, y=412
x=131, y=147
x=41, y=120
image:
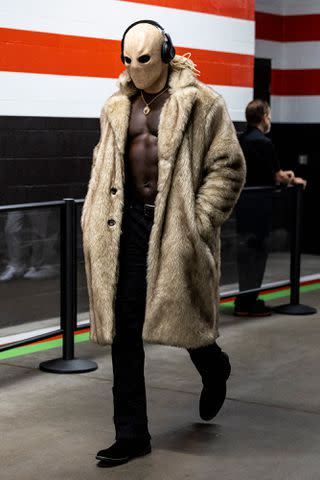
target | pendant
x=146, y=110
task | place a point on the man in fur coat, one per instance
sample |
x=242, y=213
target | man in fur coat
x=166, y=174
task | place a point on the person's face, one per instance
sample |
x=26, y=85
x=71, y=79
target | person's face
x=267, y=121
x=142, y=56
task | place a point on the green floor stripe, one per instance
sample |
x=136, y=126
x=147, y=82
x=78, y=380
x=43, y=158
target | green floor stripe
x=275, y=295
x=84, y=337
x=39, y=347
x=28, y=349
x=310, y=288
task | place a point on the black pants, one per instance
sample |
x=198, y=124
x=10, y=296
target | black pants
x=129, y=395
x=254, y=224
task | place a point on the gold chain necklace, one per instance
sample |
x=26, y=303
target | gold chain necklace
x=147, y=109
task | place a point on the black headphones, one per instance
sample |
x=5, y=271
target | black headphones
x=167, y=50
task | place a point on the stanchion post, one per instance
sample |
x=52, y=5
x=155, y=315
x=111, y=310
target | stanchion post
x=295, y=307
x=68, y=296
x=68, y=278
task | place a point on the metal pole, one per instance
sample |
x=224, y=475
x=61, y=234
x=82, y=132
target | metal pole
x=295, y=307
x=295, y=253
x=68, y=299
x=69, y=290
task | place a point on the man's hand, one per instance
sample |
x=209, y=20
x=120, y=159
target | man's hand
x=288, y=177
x=300, y=181
x=285, y=176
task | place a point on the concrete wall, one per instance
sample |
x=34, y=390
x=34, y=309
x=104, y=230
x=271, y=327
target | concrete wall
x=59, y=62
x=288, y=32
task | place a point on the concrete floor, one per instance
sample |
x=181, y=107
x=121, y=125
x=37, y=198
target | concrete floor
x=269, y=428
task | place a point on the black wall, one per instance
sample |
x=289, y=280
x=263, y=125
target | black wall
x=44, y=159
x=292, y=140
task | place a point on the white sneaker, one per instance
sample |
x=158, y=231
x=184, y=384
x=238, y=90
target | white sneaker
x=29, y=273
x=11, y=272
x=46, y=271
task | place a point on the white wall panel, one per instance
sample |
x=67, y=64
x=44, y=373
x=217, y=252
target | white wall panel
x=28, y=94
x=291, y=55
x=270, y=6
x=301, y=7
x=288, y=7
x=237, y=98
x=269, y=49
x=290, y=109
x=109, y=19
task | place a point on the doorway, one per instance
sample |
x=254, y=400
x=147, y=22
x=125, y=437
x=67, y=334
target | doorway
x=262, y=79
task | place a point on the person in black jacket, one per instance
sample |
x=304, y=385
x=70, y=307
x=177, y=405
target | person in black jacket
x=254, y=210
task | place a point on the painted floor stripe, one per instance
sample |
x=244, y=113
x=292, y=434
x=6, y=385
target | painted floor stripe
x=36, y=332
x=281, y=293
x=40, y=347
x=83, y=337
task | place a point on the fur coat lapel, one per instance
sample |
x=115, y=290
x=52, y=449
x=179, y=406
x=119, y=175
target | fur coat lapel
x=173, y=119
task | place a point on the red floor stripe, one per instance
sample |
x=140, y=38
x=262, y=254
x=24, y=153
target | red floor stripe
x=58, y=337
x=47, y=53
x=243, y=9
x=222, y=301
x=273, y=290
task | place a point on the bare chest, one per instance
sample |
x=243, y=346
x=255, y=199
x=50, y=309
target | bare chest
x=142, y=124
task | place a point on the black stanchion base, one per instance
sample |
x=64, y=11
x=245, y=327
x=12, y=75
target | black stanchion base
x=76, y=365
x=298, y=309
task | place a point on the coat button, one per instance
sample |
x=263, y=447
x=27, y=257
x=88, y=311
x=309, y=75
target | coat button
x=111, y=222
x=113, y=190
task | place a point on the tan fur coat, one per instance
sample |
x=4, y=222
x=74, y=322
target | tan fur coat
x=201, y=173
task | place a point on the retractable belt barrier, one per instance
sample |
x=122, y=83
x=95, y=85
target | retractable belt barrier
x=68, y=284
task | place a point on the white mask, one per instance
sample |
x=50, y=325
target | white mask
x=142, y=56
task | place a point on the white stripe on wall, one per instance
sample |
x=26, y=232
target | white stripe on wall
x=272, y=50
x=301, y=7
x=237, y=98
x=27, y=94
x=288, y=7
x=291, y=109
x=270, y=6
x=291, y=55
x=109, y=19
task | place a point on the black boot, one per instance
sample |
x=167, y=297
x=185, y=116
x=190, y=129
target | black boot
x=122, y=451
x=214, y=367
x=214, y=390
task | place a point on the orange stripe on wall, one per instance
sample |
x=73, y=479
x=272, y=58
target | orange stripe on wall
x=47, y=53
x=221, y=68
x=295, y=82
x=243, y=9
x=290, y=28
x=37, y=52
